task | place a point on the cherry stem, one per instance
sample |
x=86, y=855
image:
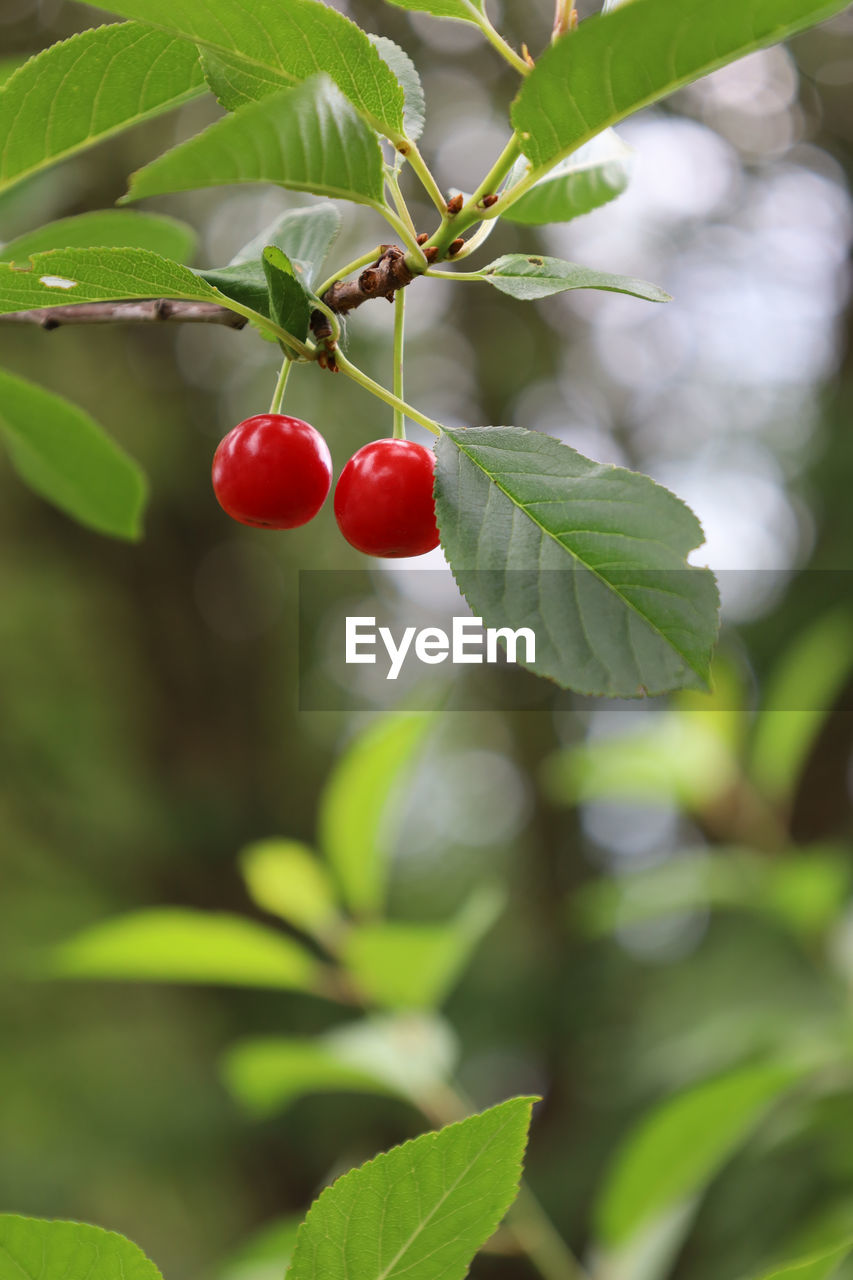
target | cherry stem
x=278, y=394
x=399, y=355
x=396, y=402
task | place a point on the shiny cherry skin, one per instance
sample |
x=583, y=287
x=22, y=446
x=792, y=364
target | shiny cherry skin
x=384, y=502
x=272, y=471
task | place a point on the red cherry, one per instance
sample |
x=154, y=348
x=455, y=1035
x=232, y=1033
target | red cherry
x=383, y=499
x=272, y=471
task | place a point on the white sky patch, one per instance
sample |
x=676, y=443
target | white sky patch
x=58, y=282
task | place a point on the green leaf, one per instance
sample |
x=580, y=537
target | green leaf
x=88, y=88
x=802, y=689
x=287, y=879
x=269, y=1075
x=65, y=457
x=8, y=66
x=618, y=62
x=589, y=178
x=236, y=83
x=244, y=283
x=422, y=1210
x=36, y=1249
x=356, y=819
x=307, y=139
x=290, y=306
x=590, y=557
x=170, y=944
x=530, y=277
x=404, y=1057
x=821, y=1267
x=414, y=101
x=305, y=235
x=114, y=228
x=677, y=759
x=413, y=966
x=67, y=276
x=679, y=1147
x=463, y=10
x=263, y=40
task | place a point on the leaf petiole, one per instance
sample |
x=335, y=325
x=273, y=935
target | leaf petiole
x=428, y=182
x=497, y=41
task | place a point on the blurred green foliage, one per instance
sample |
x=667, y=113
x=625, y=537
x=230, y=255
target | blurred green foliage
x=678, y=880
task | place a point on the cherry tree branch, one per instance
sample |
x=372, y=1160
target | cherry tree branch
x=380, y=280
x=154, y=310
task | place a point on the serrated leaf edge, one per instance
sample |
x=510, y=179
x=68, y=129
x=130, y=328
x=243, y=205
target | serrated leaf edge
x=454, y=433
x=424, y=1138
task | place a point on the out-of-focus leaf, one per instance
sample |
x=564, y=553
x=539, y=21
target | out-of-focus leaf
x=308, y=139
x=821, y=1267
x=38, y=1249
x=587, y=179
x=402, y=1056
x=177, y=945
x=803, y=890
x=801, y=692
x=677, y=759
x=268, y=1075
x=413, y=966
x=85, y=89
x=287, y=879
x=651, y=1252
x=266, y=1255
x=422, y=1210
x=66, y=458
x=357, y=819
x=305, y=235
x=113, y=228
x=678, y=1148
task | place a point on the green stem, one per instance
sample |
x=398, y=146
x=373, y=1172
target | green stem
x=497, y=41
x=399, y=202
x=332, y=318
x=435, y=273
x=364, y=261
x=407, y=237
x=278, y=394
x=399, y=349
x=540, y=1240
x=471, y=212
x=281, y=335
x=388, y=396
x=428, y=182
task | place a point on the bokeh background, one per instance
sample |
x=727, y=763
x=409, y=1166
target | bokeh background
x=149, y=725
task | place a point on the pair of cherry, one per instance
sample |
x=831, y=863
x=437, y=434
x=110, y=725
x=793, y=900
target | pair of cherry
x=275, y=472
